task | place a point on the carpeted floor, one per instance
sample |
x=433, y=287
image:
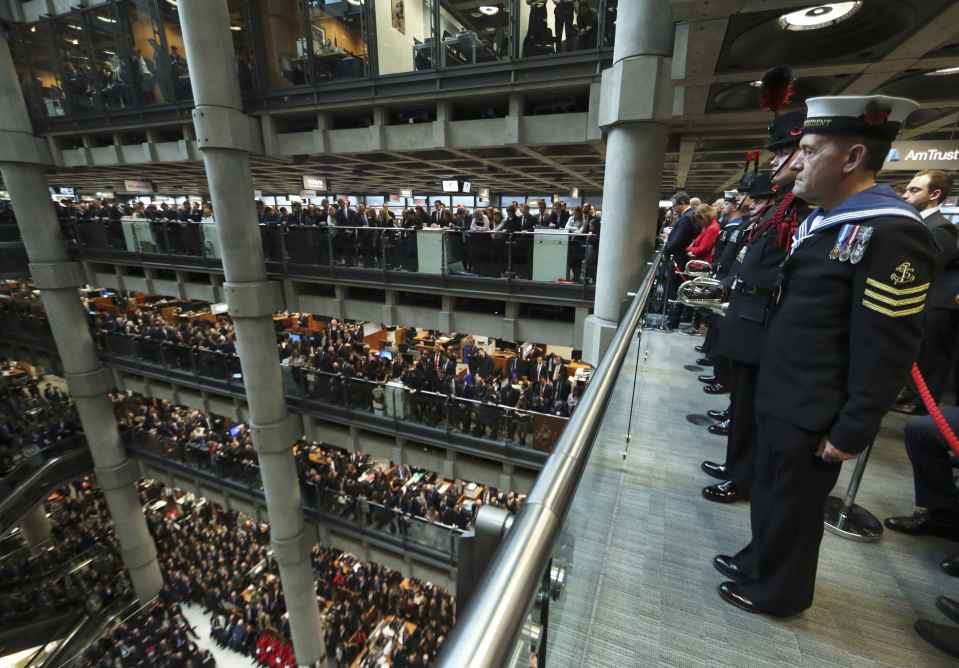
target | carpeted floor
x=642, y=590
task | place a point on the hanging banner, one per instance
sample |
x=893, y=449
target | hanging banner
x=913, y=156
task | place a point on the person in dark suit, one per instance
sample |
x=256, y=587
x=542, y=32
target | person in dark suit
x=839, y=345
x=927, y=191
x=683, y=233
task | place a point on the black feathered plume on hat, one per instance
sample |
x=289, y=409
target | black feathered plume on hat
x=777, y=88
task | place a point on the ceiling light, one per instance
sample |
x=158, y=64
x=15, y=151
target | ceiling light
x=945, y=71
x=355, y=2
x=489, y=10
x=33, y=28
x=106, y=19
x=236, y=28
x=758, y=83
x=76, y=27
x=819, y=16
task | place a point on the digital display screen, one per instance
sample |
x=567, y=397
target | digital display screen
x=451, y=186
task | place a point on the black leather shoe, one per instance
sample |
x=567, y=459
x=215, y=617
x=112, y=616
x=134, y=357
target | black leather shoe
x=909, y=408
x=704, y=361
x=700, y=349
x=729, y=593
x=949, y=607
x=920, y=523
x=718, y=415
x=725, y=492
x=720, y=428
x=715, y=470
x=944, y=637
x=716, y=388
x=708, y=380
x=725, y=565
x=951, y=565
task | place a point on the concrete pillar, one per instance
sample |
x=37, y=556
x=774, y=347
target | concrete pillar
x=444, y=319
x=35, y=525
x=226, y=137
x=635, y=103
x=23, y=158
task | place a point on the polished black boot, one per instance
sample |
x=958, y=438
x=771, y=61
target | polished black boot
x=725, y=492
x=725, y=565
x=715, y=470
x=718, y=415
x=719, y=429
x=716, y=388
x=942, y=636
x=949, y=607
x=705, y=361
x=730, y=593
x=923, y=523
x=708, y=380
x=951, y=565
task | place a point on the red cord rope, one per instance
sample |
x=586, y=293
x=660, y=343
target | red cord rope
x=934, y=411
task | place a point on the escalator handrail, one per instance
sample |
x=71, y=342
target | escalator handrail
x=119, y=618
x=64, y=467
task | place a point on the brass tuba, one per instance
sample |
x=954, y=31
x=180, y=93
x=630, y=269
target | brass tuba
x=702, y=291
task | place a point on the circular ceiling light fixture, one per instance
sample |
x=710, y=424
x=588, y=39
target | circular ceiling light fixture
x=820, y=16
x=489, y=10
x=946, y=71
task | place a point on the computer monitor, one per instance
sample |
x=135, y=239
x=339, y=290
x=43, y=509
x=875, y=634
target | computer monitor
x=386, y=354
x=295, y=338
x=234, y=430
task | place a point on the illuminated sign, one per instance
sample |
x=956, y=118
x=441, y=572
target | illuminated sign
x=913, y=156
x=314, y=183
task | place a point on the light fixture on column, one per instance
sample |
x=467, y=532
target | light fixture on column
x=574, y=193
x=819, y=16
x=489, y=10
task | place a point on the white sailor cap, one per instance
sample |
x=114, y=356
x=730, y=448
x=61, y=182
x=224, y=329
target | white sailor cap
x=870, y=116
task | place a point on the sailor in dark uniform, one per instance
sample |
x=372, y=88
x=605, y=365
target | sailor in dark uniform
x=733, y=220
x=751, y=297
x=842, y=337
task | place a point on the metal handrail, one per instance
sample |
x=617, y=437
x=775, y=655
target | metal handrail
x=489, y=626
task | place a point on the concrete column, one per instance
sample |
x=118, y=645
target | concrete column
x=35, y=525
x=23, y=158
x=225, y=137
x=635, y=103
x=444, y=319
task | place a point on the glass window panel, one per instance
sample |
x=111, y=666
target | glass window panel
x=474, y=31
x=557, y=26
x=171, y=66
x=33, y=54
x=242, y=45
x=138, y=54
x=112, y=83
x=463, y=200
x=609, y=23
x=284, y=37
x=375, y=200
x=404, y=35
x=72, y=43
x=338, y=39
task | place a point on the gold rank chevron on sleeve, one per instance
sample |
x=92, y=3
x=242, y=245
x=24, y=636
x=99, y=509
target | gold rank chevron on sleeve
x=894, y=297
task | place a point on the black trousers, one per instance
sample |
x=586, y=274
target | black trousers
x=938, y=348
x=741, y=440
x=932, y=466
x=790, y=487
x=563, y=19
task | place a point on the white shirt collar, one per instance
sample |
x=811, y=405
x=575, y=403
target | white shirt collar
x=925, y=213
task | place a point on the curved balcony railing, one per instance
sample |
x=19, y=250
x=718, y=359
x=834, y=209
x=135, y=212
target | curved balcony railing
x=566, y=261
x=525, y=435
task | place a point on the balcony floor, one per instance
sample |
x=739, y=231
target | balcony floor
x=642, y=589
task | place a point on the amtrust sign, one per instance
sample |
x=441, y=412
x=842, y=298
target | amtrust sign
x=916, y=155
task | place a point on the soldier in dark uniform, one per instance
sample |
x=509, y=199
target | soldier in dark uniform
x=840, y=343
x=751, y=297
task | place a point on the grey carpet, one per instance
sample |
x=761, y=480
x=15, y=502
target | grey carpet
x=642, y=591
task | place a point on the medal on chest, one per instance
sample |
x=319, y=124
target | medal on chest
x=851, y=243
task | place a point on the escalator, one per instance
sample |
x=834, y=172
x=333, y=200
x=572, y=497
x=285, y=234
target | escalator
x=68, y=647
x=30, y=482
